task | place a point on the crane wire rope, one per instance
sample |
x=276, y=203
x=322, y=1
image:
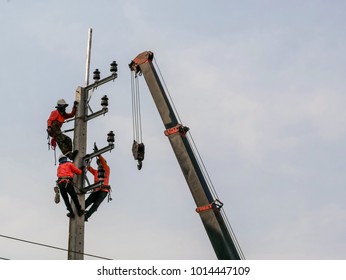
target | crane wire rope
x=201, y=165
x=211, y=185
x=136, y=109
x=52, y=247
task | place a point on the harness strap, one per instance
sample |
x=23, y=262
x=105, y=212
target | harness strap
x=107, y=187
x=109, y=195
x=66, y=179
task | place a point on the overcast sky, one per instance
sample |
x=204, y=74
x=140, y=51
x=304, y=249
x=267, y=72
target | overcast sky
x=261, y=84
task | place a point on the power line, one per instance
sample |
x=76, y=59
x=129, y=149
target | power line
x=52, y=247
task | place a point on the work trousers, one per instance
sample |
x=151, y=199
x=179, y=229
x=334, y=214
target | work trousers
x=95, y=198
x=64, y=142
x=66, y=188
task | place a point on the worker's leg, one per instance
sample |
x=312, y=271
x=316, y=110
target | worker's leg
x=99, y=198
x=62, y=187
x=64, y=143
x=72, y=193
x=91, y=199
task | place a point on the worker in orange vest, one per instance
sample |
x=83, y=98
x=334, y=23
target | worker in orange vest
x=54, y=124
x=66, y=171
x=98, y=194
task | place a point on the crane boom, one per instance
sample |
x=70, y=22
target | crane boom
x=208, y=208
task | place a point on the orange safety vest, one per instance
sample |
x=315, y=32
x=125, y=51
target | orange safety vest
x=55, y=116
x=68, y=169
x=94, y=171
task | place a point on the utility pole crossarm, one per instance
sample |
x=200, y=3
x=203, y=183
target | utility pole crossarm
x=99, y=152
x=95, y=85
x=93, y=186
x=97, y=114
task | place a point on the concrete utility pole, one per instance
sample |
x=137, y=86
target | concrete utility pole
x=76, y=227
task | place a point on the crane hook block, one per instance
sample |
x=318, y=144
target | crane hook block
x=138, y=150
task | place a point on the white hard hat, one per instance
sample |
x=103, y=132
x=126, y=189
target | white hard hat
x=61, y=102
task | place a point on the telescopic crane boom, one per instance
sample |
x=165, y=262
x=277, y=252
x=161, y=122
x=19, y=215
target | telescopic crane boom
x=207, y=207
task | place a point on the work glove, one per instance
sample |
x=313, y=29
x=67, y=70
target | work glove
x=75, y=103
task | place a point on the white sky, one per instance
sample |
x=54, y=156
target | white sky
x=261, y=84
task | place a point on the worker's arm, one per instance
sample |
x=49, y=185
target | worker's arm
x=76, y=170
x=72, y=114
x=92, y=170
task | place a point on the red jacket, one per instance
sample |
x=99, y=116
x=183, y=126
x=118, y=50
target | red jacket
x=68, y=169
x=55, y=116
x=94, y=171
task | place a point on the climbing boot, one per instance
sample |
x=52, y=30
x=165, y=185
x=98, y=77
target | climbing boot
x=72, y=155
x=80, y=212
x=57, y=194
x=70, y=215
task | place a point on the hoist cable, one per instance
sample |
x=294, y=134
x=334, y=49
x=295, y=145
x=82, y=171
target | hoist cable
x=133, y=104
x=136, y=111
x=202, y=167
x=214, y=193
x=134, y=82
x=212, y=188
x=234, y=237
x=167, y=91
x=195, y=150
x=139, y=116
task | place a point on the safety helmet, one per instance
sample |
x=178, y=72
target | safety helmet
x=61, y=103
x=62, y=158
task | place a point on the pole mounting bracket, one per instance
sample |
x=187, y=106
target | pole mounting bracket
x=216, y=204
x=182, y=130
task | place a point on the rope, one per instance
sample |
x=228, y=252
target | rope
x=136, y=109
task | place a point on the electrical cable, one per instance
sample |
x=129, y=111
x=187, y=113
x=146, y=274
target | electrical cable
x=52, y=247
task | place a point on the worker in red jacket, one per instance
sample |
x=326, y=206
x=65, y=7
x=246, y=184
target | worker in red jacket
x=98, y=194
x=66, y=171
x=54, y=124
